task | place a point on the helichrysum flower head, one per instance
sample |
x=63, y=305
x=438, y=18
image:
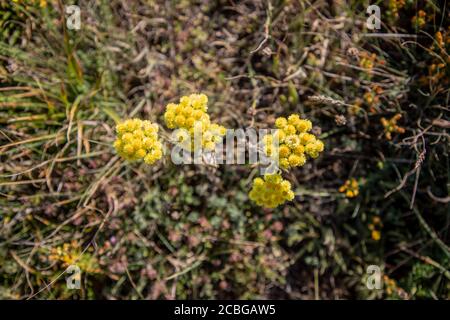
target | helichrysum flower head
x=138, y=139
x=191, y=109
x=294, y=142
x=190, y=114
x=350, y=188
x=271, y=191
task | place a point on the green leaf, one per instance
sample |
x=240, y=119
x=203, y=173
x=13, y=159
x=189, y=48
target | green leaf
x=112, y=114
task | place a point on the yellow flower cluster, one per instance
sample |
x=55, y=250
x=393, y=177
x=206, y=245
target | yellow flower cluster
x=350, y=188
x=271, y=191
x=42, y=3
x=437, y=68
x=391, y=126
x=442, y=39
x=419, y=20
x=191, y=115
x=372, y=98
x=390, y=285
x=355, y=108
x=393, y=289
x=367, y=61
x=436, y=74
x=290, y=144
x=375, y=228
x=294, y=142
x=138, y=139
x=395, y=5
x=71, y=253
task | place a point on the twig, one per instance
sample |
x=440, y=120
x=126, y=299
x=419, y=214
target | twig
x=427, y=228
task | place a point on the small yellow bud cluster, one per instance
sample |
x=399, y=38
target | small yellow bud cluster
x=350, y=188
x=42, y=3
x=271, y=191
x=375, y=228
x=355, y=108
x=72, y=253
x=294, y=142
x=419, y=20
x=390, y=285
x=395, y=6
x=442, y=39
x=63, y=253
x=138, y=139
x=367, y=61
x=191, y=115
x=391, y=126
x=437, y=68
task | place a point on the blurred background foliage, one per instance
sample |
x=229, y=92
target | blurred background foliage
x=378, y=195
